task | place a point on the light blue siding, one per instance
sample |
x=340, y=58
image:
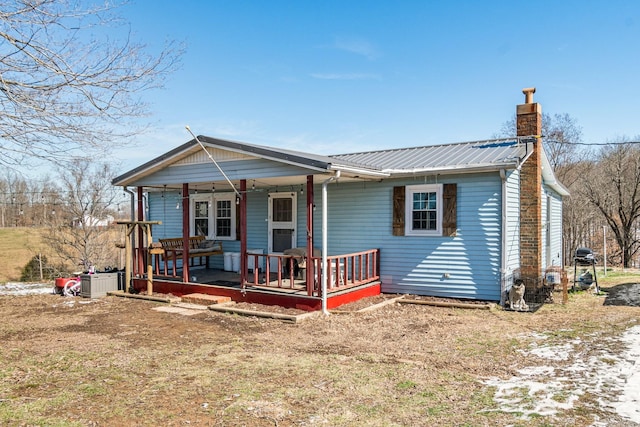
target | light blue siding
x=555, y=234
x=545, y=226
x=360, y=217
x=162, y=207
x=257, y=224
x=465, y=266
x=207, y=172
x=512, y=229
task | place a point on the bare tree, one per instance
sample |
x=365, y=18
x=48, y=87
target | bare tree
x=13, y=199
x=614, y=189
x=79, y=233
x=70, y=79
x=578, y=213
x=562, y=138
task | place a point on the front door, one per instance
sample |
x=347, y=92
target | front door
x=282, y=222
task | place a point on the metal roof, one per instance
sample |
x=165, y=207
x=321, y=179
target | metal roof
x=465, y=155
x=445, y=158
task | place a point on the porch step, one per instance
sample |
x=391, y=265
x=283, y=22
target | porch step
x=205, y=299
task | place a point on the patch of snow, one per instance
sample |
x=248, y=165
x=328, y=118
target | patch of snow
x=544, y=390
x=628, y=404
x=536, y=371
x=15, y=288
x=558, y=352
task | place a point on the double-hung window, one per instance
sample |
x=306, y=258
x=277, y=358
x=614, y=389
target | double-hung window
x=200, y=218
x=225, y=218
x=423, y=210
x=213, y=216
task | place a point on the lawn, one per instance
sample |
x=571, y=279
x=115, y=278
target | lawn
x=115, y=362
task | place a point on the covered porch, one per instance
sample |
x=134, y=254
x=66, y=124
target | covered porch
x=236, y=205
x=358, y=278
x=287, y=280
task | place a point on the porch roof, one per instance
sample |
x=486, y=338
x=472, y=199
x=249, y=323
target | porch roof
x=314, y=163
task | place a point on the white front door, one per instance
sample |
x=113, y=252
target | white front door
x=282, y=221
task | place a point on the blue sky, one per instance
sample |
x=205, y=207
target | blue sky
x=343, y=76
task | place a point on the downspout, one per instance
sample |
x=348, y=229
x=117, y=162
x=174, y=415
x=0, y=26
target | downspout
x=325, y=246
x=133, y=202
x=129, y=265
x=503, y=260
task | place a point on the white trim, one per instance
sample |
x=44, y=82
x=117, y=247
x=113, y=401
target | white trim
x=292, y=225
x=408, y=217
x=212, y=198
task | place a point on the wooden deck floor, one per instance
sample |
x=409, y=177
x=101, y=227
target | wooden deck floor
x=212, y=276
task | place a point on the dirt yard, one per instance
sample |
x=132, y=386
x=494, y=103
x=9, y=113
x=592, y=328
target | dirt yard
x=121, y=362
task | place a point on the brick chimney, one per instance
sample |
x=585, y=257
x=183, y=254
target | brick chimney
x=529, y=124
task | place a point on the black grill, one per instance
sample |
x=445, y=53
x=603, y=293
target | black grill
x=584, y=256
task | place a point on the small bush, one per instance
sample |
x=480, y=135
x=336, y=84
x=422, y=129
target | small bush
x=31, y=271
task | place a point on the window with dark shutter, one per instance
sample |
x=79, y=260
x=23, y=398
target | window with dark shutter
x=425, y=210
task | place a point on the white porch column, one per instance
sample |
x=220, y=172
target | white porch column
x=325, y=246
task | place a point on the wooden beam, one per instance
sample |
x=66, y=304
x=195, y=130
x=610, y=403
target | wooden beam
x=147, y=228
x=185, y=232
x=243, y=232
x=139, y=254
x=309, y=263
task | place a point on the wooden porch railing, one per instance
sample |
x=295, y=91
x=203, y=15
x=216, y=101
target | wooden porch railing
x=345, y=270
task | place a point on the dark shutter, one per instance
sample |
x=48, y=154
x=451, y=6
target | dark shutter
x=398, y=211
x=449, y=209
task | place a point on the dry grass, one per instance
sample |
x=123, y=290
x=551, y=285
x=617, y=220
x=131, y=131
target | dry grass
x=119, y=362
x=17, y=247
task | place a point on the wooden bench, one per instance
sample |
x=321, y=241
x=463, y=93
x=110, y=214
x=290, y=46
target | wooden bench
x=199, y=247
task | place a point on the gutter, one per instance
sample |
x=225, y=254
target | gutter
x=325, y=246
x=359, y=171
x=492, y=167
x=133, y=219
x=133, y=202
x=503, y=252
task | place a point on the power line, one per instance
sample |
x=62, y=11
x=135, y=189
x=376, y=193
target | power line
x=592, y=143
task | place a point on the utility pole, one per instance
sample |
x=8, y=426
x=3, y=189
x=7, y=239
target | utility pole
x=604, y=238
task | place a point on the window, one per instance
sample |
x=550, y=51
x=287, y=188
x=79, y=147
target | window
x=423, y=210
x=223, y=218
x=201, y=218
x=214, y=216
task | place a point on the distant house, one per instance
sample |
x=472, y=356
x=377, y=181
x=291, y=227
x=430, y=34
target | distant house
x=92, y=221
x=455, y=220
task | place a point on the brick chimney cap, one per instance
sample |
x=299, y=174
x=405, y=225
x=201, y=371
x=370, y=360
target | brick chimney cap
x=528, y=94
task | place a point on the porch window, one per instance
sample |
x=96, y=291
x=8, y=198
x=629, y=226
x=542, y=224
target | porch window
x=213, y=215
x=423, y=210
x=201, y=218
x=223, y=218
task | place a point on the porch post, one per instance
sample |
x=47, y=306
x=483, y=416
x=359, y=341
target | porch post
x=185, y=232
x=325, y=243
x=243, y=232
x=309, y=263
x=139, y=253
